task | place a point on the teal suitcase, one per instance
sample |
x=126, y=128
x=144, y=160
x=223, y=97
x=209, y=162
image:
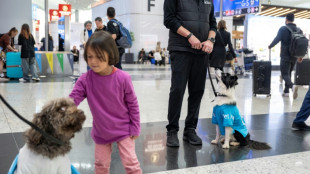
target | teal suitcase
x=14, y=65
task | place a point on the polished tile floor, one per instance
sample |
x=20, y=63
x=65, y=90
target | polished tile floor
x=268, y=119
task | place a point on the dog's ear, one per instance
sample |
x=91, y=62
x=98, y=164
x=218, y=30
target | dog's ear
x=235, y=79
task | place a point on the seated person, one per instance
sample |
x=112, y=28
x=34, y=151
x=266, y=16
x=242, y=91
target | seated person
x=141, y=55
x=76, y=54
x=151, y=55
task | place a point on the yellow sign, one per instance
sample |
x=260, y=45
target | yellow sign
x=49, y=57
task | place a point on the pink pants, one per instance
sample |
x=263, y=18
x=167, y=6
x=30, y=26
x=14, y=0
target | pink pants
x=128, y=156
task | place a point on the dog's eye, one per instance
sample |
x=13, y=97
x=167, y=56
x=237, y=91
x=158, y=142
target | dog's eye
x=63, y=109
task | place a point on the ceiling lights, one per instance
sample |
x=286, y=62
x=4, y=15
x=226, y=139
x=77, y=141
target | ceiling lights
x=282, y=11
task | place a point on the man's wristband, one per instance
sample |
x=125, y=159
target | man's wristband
x=189, y=36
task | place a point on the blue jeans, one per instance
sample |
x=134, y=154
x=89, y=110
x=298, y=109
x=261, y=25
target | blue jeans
x=304, y=111
x=29, y=63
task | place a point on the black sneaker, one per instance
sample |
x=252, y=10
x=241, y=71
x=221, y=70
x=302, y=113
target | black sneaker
x=191, y=137
x=172, y=139
x=300, y=126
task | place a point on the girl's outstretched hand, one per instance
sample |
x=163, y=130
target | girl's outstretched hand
x=134, y=137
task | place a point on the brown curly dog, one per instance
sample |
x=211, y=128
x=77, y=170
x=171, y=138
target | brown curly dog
x=61, y=119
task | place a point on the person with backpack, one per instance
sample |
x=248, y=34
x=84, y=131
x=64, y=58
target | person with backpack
x=288, y=55
x=119, y=33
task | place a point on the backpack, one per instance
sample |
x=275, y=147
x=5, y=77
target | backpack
x=299, y=43
x=125, y=41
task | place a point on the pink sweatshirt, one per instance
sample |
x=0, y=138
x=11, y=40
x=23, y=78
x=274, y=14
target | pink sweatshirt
x=113, y=104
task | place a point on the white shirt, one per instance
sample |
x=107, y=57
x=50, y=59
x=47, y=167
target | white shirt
x=31, y=162
x=84, y=36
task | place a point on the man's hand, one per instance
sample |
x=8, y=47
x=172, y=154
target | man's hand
x=195, y=43
x=133, y=137
x=300, y=59
x=207, y=46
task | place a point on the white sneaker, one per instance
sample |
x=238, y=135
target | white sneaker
x=281, y=79
x=295, y=91
x=286, y=94
x=22, y=80
x=36, y=79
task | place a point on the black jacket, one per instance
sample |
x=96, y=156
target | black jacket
x=197, y=16
x=27, y=46
x=218, y=55
x=284, y=35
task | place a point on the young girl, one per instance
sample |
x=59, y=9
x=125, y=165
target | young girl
x=26, y=40
x=113, y=104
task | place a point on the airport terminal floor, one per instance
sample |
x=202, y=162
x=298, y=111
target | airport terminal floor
x=267, y=119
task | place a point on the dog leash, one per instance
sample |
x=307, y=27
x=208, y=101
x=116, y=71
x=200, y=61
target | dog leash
x=208, y=68
x=46, y=135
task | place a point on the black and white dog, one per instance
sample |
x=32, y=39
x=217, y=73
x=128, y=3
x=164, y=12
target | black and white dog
x=227, y=119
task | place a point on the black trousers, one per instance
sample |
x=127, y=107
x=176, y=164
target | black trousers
x=121, y=51
x=191, y=69
x=287, y=66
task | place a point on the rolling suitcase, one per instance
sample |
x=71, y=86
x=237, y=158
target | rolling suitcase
x=262, y=77
x=14, y=65
x=302, y=75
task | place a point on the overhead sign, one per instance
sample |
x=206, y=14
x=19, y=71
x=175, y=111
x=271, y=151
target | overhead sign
x=54, y=15
x=65, y=9
x=37, y=25
x=238, y=7
x=217, y=7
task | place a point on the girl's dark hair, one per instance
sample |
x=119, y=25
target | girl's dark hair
x=12, y=30
x=222, y=25
x=25, y=31
x=102, y=42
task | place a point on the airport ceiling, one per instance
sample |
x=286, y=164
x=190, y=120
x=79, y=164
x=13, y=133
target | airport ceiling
x=289, y=3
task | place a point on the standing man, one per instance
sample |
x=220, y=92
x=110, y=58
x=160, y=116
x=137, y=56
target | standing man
x=114, y=29
x=287, y=62
x=192, y=35
x=99, y=25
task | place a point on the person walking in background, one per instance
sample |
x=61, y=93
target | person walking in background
x=26, y=40
x=99, y=25
x=6, y=45
x=50, y=43
x=61, y=43
x=192, y=28
x=287, y=62
x=113, y=104
x=114, y=29
x=219, y=54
